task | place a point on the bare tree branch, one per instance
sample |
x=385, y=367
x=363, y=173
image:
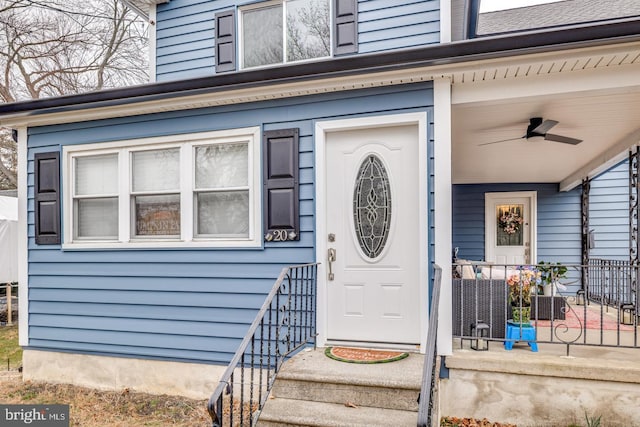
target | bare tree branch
x=54, y=47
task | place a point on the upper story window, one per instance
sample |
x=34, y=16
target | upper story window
x=185, y=190
x=277, y=32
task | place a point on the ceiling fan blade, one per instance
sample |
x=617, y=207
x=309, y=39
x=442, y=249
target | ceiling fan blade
x=563, y=139
x=502, y=140
x=545, y=126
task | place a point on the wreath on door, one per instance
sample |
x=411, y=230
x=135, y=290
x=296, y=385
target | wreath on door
x=510, y=222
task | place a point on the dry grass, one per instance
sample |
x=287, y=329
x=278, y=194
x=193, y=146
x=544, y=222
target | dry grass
x=10, y=352
x=92, y=408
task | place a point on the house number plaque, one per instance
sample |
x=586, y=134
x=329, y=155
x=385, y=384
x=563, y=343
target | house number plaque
x=280, y=235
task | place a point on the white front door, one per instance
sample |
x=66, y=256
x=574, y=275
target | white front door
x=372, y=229
x=510, y=228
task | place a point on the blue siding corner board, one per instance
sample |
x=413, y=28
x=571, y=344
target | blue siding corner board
x=180, y=304
x=185, y=31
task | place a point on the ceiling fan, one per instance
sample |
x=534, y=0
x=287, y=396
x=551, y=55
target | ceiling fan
x=539, y=128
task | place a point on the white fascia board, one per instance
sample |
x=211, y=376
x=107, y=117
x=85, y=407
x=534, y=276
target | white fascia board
x=222, y=97
x=602, y=162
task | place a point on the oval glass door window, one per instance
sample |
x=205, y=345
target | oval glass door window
x=372, y=206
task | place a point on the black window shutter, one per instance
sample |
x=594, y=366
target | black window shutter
x=345, y=27
x=47, y=198
x=225, y=41
x=281, y=193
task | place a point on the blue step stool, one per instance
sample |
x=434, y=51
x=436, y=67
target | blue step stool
x=514, y=334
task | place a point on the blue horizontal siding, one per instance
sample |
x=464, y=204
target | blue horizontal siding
x=149, y=283
x=185, y=31
x=609, y=213
x=162, y=353
x=558, y=227
x=192, y=73
x=220, y=315
x=156, y=326
x=185, y=38
x=389, y=24
x=108, y=301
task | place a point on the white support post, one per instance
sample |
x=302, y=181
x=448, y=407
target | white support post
x=23, y=243
x=443, y=211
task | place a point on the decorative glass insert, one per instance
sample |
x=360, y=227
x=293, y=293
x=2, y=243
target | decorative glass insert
x=372, y=206
x=509, y=225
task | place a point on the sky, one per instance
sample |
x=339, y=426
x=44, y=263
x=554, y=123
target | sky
x=491, y=5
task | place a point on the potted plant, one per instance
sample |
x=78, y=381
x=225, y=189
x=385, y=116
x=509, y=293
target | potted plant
x=521, y=286
x=550, y=273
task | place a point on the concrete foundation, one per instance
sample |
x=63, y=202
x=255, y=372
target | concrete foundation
x=530, y=389
x=196, y=381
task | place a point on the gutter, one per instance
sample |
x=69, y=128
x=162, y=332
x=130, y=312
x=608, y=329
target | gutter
x=486, y=48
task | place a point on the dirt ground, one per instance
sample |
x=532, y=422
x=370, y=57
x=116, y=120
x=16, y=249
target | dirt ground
x=92, y=408
x=470, y=422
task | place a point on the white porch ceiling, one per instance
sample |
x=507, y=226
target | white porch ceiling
x=594, y=95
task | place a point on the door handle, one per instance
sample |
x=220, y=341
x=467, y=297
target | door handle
x=331, y=257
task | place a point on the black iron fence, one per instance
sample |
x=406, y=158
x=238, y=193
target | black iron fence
x=612, y=282
x=547, y=303
x=285, y=324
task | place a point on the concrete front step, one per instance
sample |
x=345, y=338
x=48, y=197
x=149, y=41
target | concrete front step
x=289, y=412
x=312, y=389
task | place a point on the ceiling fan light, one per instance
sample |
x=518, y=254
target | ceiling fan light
x=536, y=138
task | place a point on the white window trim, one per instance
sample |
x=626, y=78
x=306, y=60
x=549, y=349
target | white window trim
x=186, y=143
x=268, y=3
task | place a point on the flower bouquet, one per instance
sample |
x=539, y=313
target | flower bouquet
x=521, y=286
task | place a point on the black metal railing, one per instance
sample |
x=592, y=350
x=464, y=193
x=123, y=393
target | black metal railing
x=428, y=389
x=562, y=308
x=285, y=324
x=612, y=282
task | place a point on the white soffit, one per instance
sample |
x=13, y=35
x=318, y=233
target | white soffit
x=593, y=94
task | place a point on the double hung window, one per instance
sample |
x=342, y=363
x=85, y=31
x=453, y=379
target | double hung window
x=222, y=190
x=199, y=189
x=277, y=32
x=155, y=192
x=95, y=197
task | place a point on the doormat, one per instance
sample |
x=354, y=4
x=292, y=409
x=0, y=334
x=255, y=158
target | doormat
x=363, y=355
